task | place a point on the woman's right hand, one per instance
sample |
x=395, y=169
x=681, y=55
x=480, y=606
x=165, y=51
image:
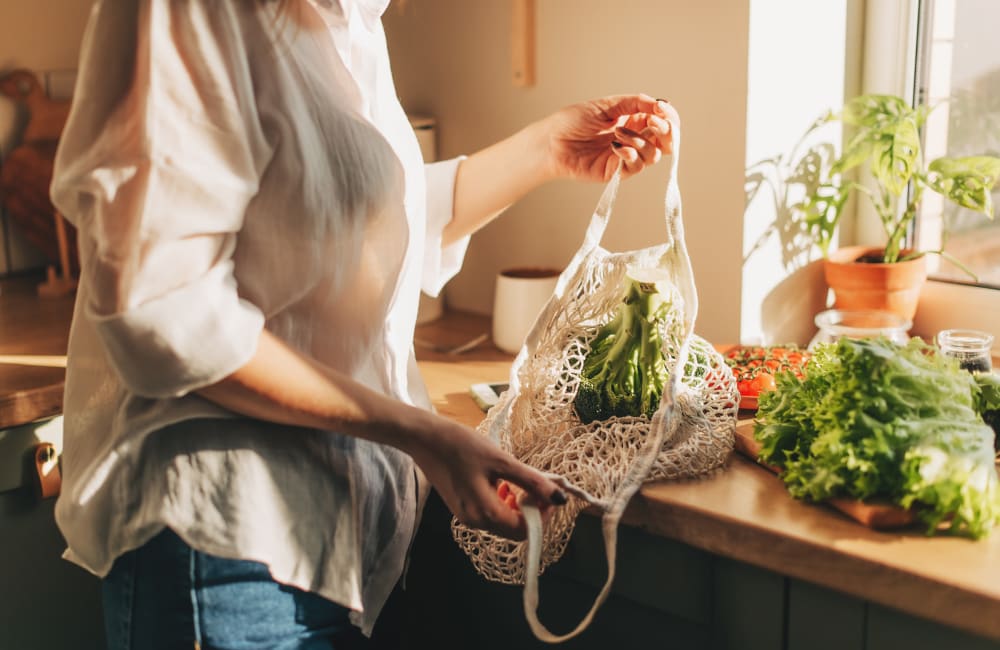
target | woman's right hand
x=466, y=468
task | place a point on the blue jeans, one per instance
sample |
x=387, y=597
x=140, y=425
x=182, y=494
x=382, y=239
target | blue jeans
x=165, y=595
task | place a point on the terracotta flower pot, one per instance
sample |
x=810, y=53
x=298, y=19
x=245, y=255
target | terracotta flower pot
x=863, y=285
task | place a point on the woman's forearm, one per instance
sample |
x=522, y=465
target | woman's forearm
x=280, y=385
x=491, y=179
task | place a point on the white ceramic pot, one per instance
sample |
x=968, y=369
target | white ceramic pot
x=520, y=295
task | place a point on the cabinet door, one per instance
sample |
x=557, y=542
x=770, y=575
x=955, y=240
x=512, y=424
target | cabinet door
x=661, y=597
x=889, y=629
x=749, y=607
x=46, y=602
x=822, y=619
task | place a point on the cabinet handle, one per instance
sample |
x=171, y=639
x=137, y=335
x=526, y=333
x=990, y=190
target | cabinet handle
x=47, y=469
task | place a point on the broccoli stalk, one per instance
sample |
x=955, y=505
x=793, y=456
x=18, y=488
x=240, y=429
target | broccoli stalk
x=625, y=371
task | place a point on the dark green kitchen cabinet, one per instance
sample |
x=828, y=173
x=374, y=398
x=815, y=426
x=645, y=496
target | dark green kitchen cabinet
x=667, y=594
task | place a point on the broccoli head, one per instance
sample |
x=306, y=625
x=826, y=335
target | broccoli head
x=625, y=371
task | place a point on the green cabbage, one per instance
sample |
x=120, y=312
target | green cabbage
x=871, y=419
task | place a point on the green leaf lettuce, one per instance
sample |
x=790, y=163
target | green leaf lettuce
x=875, y=420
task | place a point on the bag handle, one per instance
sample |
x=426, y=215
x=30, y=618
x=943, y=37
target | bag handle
x=662, y=428
x=591, y=242
x=602, y=213
x=664, y=422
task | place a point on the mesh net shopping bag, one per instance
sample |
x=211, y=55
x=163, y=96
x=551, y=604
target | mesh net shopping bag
x=604, y=462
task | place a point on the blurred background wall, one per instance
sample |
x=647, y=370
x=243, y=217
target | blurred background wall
x=452, y=60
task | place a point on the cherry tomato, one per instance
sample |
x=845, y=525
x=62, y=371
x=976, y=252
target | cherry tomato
x=762, y=383
x=754, y=367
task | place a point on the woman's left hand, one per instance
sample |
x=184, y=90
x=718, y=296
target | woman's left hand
x=587, y=141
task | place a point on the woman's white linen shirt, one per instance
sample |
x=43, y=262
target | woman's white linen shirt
x=229, y=170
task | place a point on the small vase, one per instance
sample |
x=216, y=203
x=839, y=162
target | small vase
x=862, y=285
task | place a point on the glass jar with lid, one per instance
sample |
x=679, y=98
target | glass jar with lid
x=972, y=348
x=834, y=324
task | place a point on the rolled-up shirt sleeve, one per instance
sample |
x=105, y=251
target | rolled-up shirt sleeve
x=441, y=263
x=159, y=160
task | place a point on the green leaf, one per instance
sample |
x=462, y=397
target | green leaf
x=887, y=138
x=966, y=181
x=857, y=151
x=896, y=154
x=873, y=111
x=873, y=419
x=989, y=391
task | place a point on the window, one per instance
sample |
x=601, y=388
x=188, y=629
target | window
x=924, y=49
x=958, y=74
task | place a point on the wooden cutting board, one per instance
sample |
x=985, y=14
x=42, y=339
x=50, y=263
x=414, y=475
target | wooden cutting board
x=872, y=514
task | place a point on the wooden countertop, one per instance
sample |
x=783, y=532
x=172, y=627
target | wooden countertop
x=744, y=512
x=33, y=336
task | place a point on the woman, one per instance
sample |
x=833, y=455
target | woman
x=246, y=433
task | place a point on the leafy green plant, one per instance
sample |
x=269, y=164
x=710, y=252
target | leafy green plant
x=885, y=140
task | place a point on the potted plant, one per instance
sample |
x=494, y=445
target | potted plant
x=885, y=142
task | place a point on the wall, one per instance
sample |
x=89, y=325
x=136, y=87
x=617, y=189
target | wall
x=42, y=34
x=452, y=60
x=796, y=74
